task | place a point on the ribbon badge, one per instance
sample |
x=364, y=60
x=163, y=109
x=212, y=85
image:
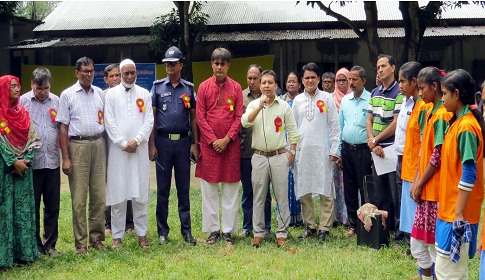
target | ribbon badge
x=186, y=98
x=278, y=123
x=53, y=114
x=141, y=105
x=321, y=106
x=230, y=105
x=100, y=117
x=3, y=127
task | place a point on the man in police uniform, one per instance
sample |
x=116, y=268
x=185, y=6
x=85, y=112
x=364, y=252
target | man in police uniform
x=173, y=102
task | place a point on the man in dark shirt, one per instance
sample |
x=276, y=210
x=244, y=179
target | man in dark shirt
x=173, y=101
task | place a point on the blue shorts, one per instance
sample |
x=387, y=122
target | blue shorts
x=444, y=230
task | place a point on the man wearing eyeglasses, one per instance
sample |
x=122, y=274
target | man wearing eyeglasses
x=81, y=118
x=328, y=82
x=42, y=105
x=173, y=102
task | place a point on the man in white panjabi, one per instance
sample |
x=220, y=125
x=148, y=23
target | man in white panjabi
x=317, y=120
x=129, y=122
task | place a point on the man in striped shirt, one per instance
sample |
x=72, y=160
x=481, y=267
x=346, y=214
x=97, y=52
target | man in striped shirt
x=384, y=108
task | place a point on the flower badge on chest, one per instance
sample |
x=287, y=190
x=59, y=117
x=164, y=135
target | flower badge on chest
x=230, y=104
x=3, y=127
x=53, y=114
x=278, y=123
x=321, y=106
x=141, y=105
x=100, y=117
x=186, y=98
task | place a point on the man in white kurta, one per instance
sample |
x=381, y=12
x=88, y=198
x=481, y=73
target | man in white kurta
x=317, y=120
x=128, y=121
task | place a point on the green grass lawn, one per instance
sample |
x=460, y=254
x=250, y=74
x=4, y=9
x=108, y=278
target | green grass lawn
x=338, y=258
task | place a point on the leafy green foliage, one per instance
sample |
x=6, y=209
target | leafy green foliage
x=167, y=30
x=7, y=9
x=36, y=10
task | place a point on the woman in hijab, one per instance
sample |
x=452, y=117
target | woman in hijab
x=17, y=207
x=341, y=88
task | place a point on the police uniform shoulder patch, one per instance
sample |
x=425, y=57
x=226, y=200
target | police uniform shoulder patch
x=187, y=83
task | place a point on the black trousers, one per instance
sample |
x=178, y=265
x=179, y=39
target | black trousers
x=356, y=164
x=47, y=185
x=387, y=196
x=173, y=155
x=129, y=216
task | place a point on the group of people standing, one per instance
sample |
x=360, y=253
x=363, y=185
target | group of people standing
x=314, y=143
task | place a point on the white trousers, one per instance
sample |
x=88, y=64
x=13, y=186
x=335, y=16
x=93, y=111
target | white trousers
x=425, y=254
x=140, y=218
x=446, y=269
x=210, y=206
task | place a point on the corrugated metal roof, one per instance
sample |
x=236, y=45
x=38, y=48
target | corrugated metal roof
x=81, y=42
x=317, y=34
x=280, y=35
x=82, y=15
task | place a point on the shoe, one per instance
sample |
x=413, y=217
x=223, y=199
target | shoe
x=116, y=244
x=52, y=252
x=81, y=250
x=213, y=237
x=98, y=245
x=322, y=236
x=244, y=234
x=280, y=241
x=228, y=238
x=143, y=242
x=162, y=239
x=190, y=239
x=107, y=231
x=130, y=230
x=307, y=233
x=267, y=234
x=350, y=233
x=257, y=241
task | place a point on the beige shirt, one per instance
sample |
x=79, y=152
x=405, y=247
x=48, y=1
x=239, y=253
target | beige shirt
x=271, y=125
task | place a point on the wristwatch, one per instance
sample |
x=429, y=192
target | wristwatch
x=374, y=141
x=138, y=142
x=293, y=152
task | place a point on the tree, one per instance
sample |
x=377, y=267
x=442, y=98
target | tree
x=7, y=10
x=182, y=27
x=35, y=10
x=415, y=20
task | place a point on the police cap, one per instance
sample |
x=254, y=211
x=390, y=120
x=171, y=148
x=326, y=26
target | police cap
x=173, y=54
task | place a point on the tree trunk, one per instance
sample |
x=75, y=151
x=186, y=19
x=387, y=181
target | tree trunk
x=371, y=36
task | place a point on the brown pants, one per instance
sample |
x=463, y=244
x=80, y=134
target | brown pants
x=88, y=162
x=326, y=212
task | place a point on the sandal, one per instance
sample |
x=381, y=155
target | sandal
x=228, y=238
x=350, y=233
x=213, y=237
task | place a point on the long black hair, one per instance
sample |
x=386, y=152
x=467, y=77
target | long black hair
x=462, y=81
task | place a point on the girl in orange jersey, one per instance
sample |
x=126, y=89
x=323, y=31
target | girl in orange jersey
x=461, y=186
x=411, y=131
x=424, y=189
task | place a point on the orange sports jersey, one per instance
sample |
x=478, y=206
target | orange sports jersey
x=437, y=121
x=451, y=166
x=412, y=143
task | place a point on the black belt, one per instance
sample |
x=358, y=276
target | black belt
x=87, y=137
x=356, y=147
x=172, y=136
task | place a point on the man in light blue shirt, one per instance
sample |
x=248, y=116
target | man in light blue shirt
x=356, y=158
